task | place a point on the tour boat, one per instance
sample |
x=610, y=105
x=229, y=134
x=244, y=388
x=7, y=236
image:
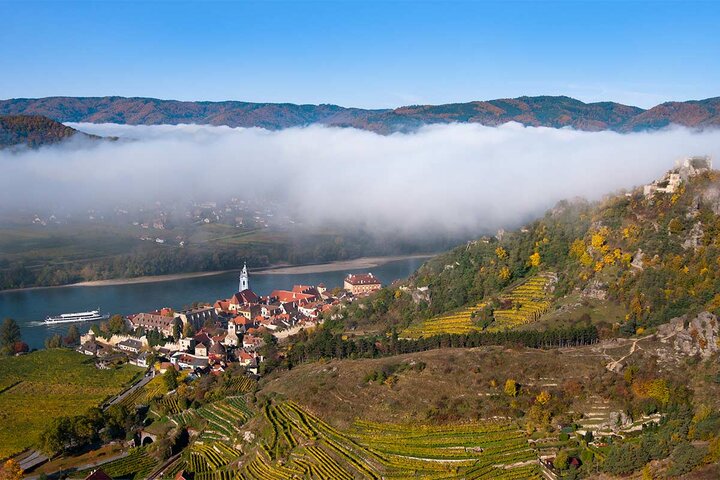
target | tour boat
x=76, y=317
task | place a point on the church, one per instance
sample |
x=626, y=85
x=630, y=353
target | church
x=244, y=296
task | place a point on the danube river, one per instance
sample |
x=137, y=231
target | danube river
x=30, y=307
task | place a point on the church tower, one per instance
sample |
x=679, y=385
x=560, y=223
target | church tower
x=244, y=279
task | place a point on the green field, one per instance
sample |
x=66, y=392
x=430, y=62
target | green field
x=47, y=384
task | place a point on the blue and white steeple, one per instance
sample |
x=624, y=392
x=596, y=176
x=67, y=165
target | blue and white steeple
x=244, y=279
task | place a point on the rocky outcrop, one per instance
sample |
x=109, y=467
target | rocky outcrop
x=711, y=198
x=596, y=289
x=692, y=241
x=637, y=261
x=692, y=336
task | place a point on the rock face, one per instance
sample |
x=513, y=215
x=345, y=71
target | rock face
x=637, y=261
x=692, y=241
x=595, y=289
x=693, y=336
x=711, y=197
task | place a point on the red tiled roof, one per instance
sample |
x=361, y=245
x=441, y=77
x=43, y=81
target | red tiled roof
x=244, y=297
x=98, y=474
x=362, y=279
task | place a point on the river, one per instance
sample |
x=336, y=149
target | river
x=30, y=307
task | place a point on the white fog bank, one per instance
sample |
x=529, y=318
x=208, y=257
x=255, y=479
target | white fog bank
x=450, y=177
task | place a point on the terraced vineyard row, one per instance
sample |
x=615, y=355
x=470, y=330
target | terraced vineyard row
x=239, y=385
x=301, y=445
x=223, y=418
x=459, y=323
x=530, y=301
x=141, y=396
x=137, y=465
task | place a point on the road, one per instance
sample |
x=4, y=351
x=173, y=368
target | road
x=143, y=381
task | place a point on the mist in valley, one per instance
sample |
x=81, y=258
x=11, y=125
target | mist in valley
x=444, y=179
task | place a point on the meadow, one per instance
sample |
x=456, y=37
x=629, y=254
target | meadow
x=43, y=385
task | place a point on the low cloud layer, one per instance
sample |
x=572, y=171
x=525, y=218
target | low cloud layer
x=449, y=177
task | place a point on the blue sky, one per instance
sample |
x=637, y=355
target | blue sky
x=365, y=54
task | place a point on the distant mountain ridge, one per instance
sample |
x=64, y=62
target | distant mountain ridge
x=548, y=111
x=34, y=131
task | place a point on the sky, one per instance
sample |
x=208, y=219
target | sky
x=370, y=54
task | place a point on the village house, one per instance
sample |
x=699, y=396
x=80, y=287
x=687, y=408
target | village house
x=245, y=358
x=268, y=311
x=197, y=316
x=249, y=311
x=362, y=284
x=161, y=321
x=187, y=361
x=130, y=345
x=201, y=350
x=217, y=353
x=251, y=342
x=231, y=339
x=140, y=360
x=241, y=323
x=288, y=296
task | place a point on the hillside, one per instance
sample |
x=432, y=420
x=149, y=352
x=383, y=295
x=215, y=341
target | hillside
x=548, y=111
x=450, y=345
x=34, y=131
x=632, y=261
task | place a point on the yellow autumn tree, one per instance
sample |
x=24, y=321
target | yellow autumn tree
x=586, y=259
x=597, y=240
x=577, y=249
x=504, y=273
x=11, y=470
x=535, y=260
x=500, y=252
x=657, y=389
x=543, y=397
x=511, y=388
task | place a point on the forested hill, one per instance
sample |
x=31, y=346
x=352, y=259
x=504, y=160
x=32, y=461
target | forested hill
x=34, y=131
x=548, y=111
x=632, y=260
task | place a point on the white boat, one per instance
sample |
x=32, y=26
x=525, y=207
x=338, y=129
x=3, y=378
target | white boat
x=76, y=317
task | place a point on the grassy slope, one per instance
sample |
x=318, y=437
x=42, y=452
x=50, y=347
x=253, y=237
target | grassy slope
x=455, y=382
x=53, y=383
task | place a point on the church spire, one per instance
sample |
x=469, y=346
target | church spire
x=244, y=279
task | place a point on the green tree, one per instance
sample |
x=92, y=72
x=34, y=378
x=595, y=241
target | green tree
x=177, y=329
x=117, y=325
x=561, y=461
x=170, y=378
x=188, y=330
x=9, y=336
x=54, y=342
x=73, y=335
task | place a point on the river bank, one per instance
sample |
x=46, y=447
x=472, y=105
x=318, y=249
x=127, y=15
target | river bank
x=280, y=269
x=355, y=264
x=30, y=307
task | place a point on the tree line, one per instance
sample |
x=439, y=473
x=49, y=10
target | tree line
x=326, y=344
